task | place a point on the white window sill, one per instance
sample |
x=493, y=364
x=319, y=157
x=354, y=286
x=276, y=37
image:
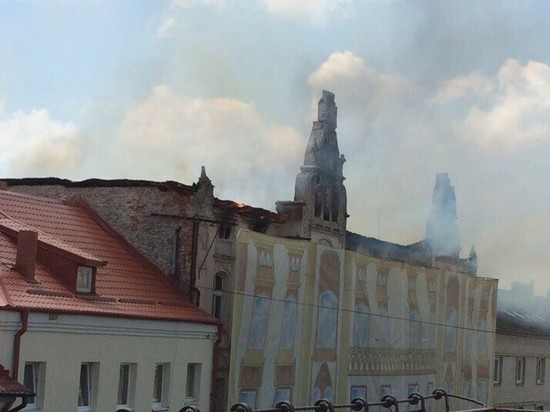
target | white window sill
x=159, y=408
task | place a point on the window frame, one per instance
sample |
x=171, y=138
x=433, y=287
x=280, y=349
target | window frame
x=88, y=287
x=540, y=370
x=193, y=383
x=520, y=370
x=90, y=385
x=36, y=384
x=160, y=395
x=130, y=386
x=497, y=370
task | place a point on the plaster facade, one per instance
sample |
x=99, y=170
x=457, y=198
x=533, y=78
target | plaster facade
x=320, y=322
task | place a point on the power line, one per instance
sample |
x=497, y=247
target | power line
x=340, y=309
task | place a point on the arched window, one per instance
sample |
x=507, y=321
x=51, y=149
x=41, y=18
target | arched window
x=384, y=338
x=327, y=320
x=316, y=394
x=318, y=200
x=335, y=205
x=416, y=330
x=217, y=296
x=260, y=320
x=482, y=337
x=361, y=327
x=290, y=313
x=451, y=322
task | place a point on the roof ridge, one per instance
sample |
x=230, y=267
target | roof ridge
x=28, y=196
x=51, y=241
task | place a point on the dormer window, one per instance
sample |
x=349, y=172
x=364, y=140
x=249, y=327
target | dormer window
x=84, y=279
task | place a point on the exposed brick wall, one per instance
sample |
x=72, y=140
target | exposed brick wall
x=129, y=210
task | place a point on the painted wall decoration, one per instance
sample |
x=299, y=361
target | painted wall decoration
x=320, y=322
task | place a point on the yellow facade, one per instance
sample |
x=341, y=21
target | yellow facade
x=311, y=321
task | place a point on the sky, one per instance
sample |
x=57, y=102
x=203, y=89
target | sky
x=156, y=89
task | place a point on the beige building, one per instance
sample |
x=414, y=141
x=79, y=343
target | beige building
x=320, y=312
x=320, y=322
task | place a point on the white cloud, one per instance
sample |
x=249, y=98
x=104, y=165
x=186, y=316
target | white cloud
x=515, y=113
x=474, y=83
x=166, y=28
x=172, y=132
x=190, y=3
x=316, y=11
x=35, y=144
x=353, y=80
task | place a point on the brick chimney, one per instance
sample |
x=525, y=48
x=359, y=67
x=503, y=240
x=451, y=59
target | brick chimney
x=25, y=263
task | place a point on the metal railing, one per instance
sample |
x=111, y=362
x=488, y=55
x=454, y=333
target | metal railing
x=357, y=404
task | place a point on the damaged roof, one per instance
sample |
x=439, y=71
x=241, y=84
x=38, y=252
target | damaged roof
x=228, y=206
x=55, y=181
x=518, y=313
x=127, y=285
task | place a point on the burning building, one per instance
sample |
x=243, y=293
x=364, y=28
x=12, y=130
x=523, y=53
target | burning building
x=310, y=309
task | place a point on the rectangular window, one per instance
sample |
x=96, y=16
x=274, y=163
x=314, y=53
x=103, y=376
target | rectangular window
x=192, y=388
x=358, y=391
x=161, y=386
x=282, y=394
x=86, y=387
x=33, y=379
x=126, y=385
x=248, y=396
x=384, y=390
x=412, y=388
x=541, y=370
x=84, y=279
x=520, y=370
x=497, y=372
x=430, y=401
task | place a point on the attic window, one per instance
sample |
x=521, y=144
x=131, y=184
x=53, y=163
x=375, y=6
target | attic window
x=84, y=279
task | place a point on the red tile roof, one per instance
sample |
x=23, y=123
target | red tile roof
x=9, y=386
x=127, y=285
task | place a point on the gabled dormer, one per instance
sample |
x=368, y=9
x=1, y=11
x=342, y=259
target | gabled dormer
x=74, y=268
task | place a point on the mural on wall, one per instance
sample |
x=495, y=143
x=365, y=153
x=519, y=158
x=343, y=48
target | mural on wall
x=321, y=322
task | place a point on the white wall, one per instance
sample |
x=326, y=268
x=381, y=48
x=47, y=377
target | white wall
x=63, y=343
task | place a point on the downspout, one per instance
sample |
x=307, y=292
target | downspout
x=215, y=356
x=18, y=408
x=194, y=297
x=17, y=342
x=17, y=351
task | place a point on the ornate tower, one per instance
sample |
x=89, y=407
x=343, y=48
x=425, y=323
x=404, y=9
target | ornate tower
x=442, y=231
x=320, y=183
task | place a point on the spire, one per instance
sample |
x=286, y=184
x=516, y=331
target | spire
x=205, y=193
x=322, y=148
x=204, y=179
x=320, y=181
x=471, y=262
x=441, y=229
